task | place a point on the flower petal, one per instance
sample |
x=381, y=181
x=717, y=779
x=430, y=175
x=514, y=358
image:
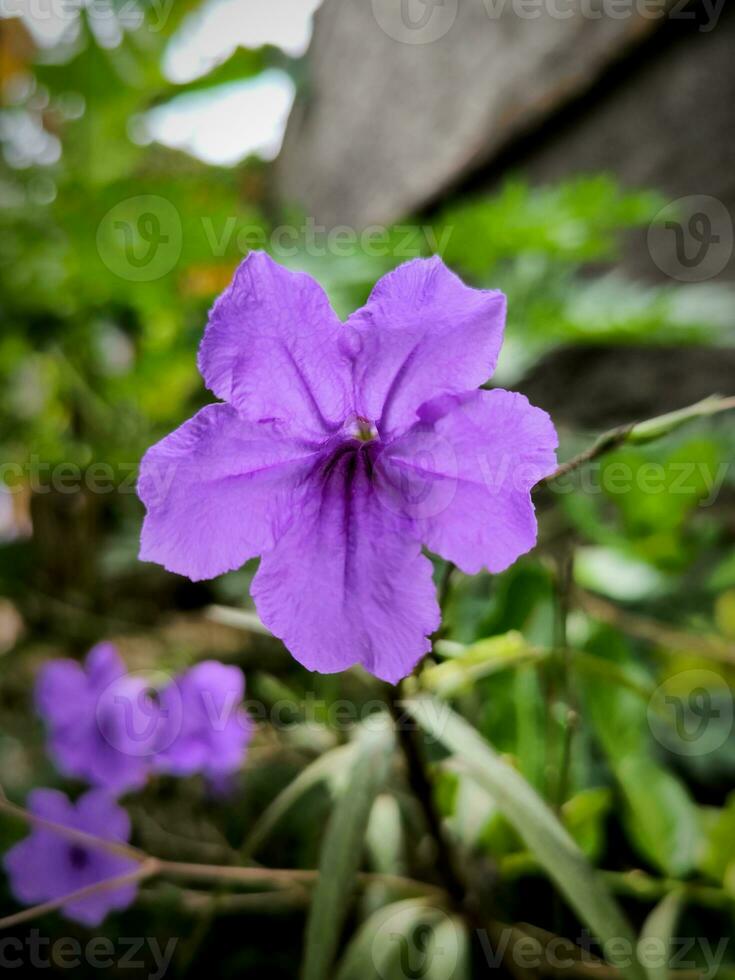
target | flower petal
x=61, y=693
x=464, y=474
x=48, y=865
x=208, y=730
x=421, y=334
x=271, y=347
x=219, y=490
x=347, y=584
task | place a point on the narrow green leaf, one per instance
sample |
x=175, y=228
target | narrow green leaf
x=327, y=768
x=385, y=836
x=409, y=938
x=343, y=845
x=654, y=945
x=552, y=845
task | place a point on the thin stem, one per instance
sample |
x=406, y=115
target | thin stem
x=422, y=789
x=117, y=848
x=145, y=870
x=668, y=638
x=639, y=433
x=286, y=878
x=634, y=883
x=148, y=866
x=564, y=587
x=606, y=442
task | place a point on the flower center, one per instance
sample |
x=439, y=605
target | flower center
x=78, y=857
x=362, y=429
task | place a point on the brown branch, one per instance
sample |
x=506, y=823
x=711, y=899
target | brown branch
x=146, y=869
x=117, y=848
x=606, y=442
x=639, y=433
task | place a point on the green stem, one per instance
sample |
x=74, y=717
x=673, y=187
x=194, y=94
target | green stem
x=639, y=433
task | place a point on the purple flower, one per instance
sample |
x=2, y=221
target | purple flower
x=100, y=720
x=47, y=865
x=340, y=450
x=206, y=729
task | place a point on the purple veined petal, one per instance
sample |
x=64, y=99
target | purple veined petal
x=347, y=583
x=271, y=348
x=479, y=454
x=421, y=334
x=47, y=865
x=219, y=490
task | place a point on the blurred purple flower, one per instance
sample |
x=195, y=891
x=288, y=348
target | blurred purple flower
x=205, y=728
x=340, y=450
x=46, y=865
x=101, y=721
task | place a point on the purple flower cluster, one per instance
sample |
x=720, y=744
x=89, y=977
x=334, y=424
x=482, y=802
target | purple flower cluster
x=339, y=449
x=105, y=727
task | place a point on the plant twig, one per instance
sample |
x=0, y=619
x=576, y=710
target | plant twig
x=639, y=433
x=148, y=866
x=423, y=791
x=145, y=869
x=118, y=848
x=564, y=580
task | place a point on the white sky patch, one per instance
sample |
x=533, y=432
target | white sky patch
x=209, y=36
x=227, y=124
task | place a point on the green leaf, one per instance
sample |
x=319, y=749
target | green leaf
x=485, y=657
x=327, y=768
x=343, y=844
x=654, y=945
x=409, y=938
x=385, y=836
x=584, y=817
x=552, y=845
x=718, y=853
x=660, y=817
